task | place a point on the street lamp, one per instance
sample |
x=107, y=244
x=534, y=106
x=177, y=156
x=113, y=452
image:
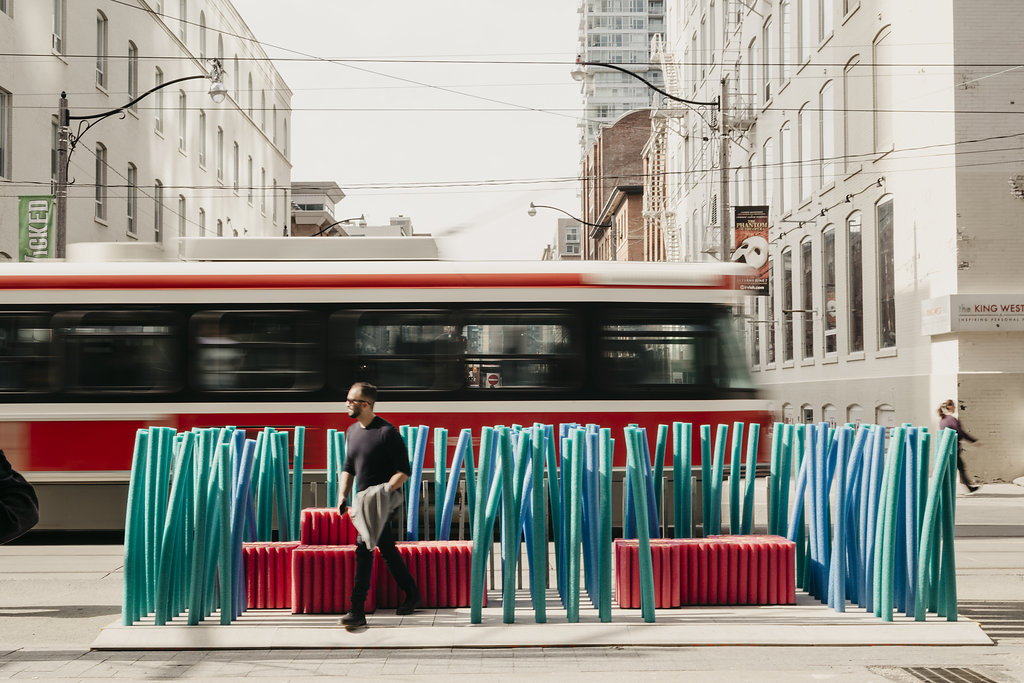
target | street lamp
x=532, y=211
x=580, y=74
x=66, y=140
x=346, y=220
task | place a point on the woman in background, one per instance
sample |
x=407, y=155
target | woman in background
x=947, y=419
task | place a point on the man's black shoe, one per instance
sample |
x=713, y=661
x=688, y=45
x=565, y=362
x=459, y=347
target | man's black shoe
x=411, y=603
x=354, y=618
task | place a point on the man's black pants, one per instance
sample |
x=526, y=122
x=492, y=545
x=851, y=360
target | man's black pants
x=364, y=567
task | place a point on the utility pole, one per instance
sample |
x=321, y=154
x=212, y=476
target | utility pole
x=723, y=164
x=60, y=192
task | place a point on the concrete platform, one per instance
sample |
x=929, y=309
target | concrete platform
x=806, y=623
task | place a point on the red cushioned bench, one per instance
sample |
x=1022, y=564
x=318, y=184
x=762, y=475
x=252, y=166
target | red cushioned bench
x=322, y=578
x=268, y=574
x=441, y=570
x=326, y=526
x=719, y=570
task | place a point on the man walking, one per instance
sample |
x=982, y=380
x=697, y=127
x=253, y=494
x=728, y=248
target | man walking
x=378, y=458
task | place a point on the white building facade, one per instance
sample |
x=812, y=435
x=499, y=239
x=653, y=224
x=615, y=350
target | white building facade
x=885, y=142
x=176, y=164
x=617, y=32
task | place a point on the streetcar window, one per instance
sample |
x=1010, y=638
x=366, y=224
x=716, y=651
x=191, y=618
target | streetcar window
x=118, y=351
x=394, y=349
x=271, y=350
x=25, y=352
x=521, y=349
x=655, y=348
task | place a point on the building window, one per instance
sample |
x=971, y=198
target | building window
x=854, y=414
x=158, y=211
x=285, y=141
x=882, y=84
x=827, y=135
x=220, y=154
x=220, y=228
x=101, y=50
x=237, y=80
x=5, y=137
x=886, y=275
x=202, y=36
x=805, y=152
x=133, y=74
x=182, y=120
x=770, y=317
x=768, y=175
x=220, y=49
x=787, y=305
x=101, y=182
x=885, y=416
x=202, y=138
x=855, y=280
x=768, y=58
x=181, y=215
x=785, y=40
x=249, y=168
x=183, y=20
x=805, y=39
x=273, y=204
x=158, y=107
x=234, y=168
x=250, y=96
x=807, y=292
x=202, y=222
x=785, y=184
x=828, y=288
x=273, y=122
x=60, y=25
x=825, y=19
x=133, y=200
x=263, y=191
x=830, y=415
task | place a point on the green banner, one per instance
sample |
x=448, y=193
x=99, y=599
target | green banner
x=35, y=228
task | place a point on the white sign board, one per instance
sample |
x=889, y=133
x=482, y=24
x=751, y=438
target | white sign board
x=973, y=313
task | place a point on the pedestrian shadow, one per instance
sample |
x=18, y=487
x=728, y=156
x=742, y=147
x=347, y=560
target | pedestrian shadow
x=60, y=611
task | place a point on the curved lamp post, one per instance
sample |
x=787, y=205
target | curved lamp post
x=532, y=211
x=66, y=140
x=324, y=229
x=580, y=74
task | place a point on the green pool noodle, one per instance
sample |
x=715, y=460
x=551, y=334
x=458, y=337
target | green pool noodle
x=171, y=535
x=659, y=467
x=735, y=459
x=470, y=480
x=705, y=478
x=889, y=536
x=883, y=502
x=947, y=575
x=773, y=475
x=928, y=536
x=749, y=478
x=440, y=476
x=604, y=579
x=717, y=477
x=785, y=475
x=512, y=494
x=259, y=484
x=554, y=498
x=332, y=471
x=482, y=531
x=196, y=586
x=280, y=453
x=224, y=522
x=686, y=481
x=133, y=512
x=633, y=454
x=297, y=466
x=540, y=528
x=575, y=510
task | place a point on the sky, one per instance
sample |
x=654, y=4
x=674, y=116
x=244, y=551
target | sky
x=369, y=126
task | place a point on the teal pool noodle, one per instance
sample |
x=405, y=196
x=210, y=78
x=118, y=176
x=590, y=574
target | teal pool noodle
x=133, y=588
x=196, y=588
x=686, y=511
x=607, y=446
x=262, y=483
x=677, y=479
x=735, y=459
x=539, y=574
x=470, y=477
x=891, y=520
x=484, y=533
x=748, y=482
x=149, y=521
x=279, y=449
x=575, y=512
x=332, y=469
x=171, y=535
x=297, y=466
x=659, y=467
x=948, y=569
x=440, y=477
x=224, y=541
x=634, y=455
x=555, y=504
x=705, y=479
x=773, y=476
x=931, y=524
x=716, y=484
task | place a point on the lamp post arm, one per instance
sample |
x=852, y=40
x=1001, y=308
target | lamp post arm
x=328, y=227
x=616, y=67
x=578, y=220
x=100, y=117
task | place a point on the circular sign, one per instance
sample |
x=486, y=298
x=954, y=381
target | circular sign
x=492, y=379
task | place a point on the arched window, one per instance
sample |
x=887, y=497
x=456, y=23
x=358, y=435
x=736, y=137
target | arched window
x=101, y=49
x=158, y=211
x=785, y=39
x=202, y=222
x=220, y=154
x=785, y=153
x=238, y=80
x=284, y=134
x=807, y=414
x=101, y=181
x=855, y=414
x=825, y=19
x=249, y=170
x=828, y=289
x=183, y=19
x=250, y=96
x=202, y=138
x=220, y=49
x=768, y=59
x=182, y=119
x=220, y=228
x=788, y=413
x=235, y=166
x=202, y=35
x=181, y=216
x=133, y=74
x=826, y=135
x=855, y=281
x=273, y=122
x=158, y=106
x=770, y=316
x=886, y=284
x=830, y=414
x=885, y=416
x=132, y=209
x=807, y=297
x=805, y=151
x=882, y=83
x=787, y=304
x=263, y=110
x=857, y=121
x=768, y=173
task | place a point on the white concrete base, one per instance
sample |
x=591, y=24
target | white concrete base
x=806, y=623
